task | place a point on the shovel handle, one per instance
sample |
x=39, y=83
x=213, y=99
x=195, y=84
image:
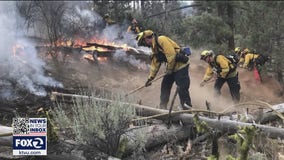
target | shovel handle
x=171, y=108
x=137, y=89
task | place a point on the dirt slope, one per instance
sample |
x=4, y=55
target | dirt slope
x=122, y=78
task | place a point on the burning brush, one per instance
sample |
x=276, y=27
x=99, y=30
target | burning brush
x=96, y=50
x=101, y=52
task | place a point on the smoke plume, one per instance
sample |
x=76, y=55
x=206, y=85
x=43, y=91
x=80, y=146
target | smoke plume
x=123, y=57
x=20, y=66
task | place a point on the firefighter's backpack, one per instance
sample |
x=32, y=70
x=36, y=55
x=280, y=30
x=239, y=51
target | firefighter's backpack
x=180, y=57
x=261, y=59
x=186, y=51
x=234, y=59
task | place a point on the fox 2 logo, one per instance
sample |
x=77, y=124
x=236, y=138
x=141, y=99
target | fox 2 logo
x=29, y=142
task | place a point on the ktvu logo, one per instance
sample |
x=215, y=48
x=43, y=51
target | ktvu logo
x=29, y=142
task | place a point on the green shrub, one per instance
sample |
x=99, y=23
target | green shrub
x=96, y=123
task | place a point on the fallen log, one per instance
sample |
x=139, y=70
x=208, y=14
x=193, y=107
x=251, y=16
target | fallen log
x=157, y=135
x=6, y=135
x=223, y=125
x=269, y=115
x=110, y=47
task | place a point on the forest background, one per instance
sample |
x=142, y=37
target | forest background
x=217, y=25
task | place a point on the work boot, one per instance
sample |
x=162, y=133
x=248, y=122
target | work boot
x=186, y=106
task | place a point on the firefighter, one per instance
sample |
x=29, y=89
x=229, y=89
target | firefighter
x=254, y=61
x=240, y=53
x=237, y=52
x=245, y=56
x=166, y=50
x=108, y=20
x=134, y=27
x=226, y=72
x=248, y=58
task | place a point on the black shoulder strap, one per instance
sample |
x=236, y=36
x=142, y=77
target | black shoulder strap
x=157, y=43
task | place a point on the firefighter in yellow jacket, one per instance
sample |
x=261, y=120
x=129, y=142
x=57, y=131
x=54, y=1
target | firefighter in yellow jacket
x=166, y=50
x=248, y=59
x=226, y=72
x=238, y=51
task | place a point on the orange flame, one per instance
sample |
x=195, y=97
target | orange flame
x=93, y=48
x=102, y=59
x=90, y=57
x=79, y=42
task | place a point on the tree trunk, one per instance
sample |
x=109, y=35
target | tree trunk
x=226, y=12
x=230, y=22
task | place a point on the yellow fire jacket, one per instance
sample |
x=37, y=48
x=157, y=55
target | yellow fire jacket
x=223, y=67
x=169, y=49
x=248, y=58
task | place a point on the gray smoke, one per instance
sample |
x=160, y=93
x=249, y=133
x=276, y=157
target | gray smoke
x=116, y=33
x=82, y=20
x=22, y=68
x=123, y=57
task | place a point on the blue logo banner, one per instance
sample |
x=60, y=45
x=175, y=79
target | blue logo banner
x=29, y=142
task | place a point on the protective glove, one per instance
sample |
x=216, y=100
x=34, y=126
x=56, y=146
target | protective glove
x=148, y=82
